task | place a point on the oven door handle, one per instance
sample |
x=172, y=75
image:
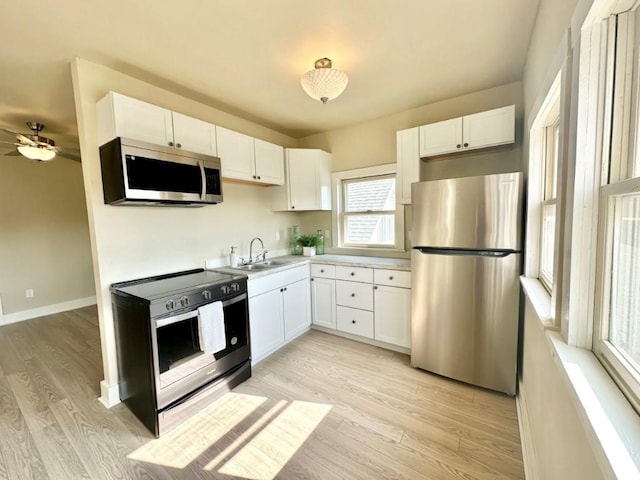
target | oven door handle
x=163, y=322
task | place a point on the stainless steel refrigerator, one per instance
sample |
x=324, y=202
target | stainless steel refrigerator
x=466, y=263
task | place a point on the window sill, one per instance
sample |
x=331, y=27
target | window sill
x=612, y=424
x=541, y=301
x=369, y=252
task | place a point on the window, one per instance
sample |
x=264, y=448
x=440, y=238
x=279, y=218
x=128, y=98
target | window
x=369, y=211
x=548, y=217
x=544, y=161
x=366, y=214
x=617, y=326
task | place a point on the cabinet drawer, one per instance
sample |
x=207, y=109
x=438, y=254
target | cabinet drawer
x=354, y=274
x=393, y=278
x=354, y=294
x=323, y=271
x=357, y=322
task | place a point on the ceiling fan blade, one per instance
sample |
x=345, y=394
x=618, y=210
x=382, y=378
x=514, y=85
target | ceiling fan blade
x=13, y=153
x=26, y=140
x=9, y=131
x=70, y=156
x=8, y=143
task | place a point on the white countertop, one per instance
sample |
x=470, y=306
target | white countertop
x=347, y=260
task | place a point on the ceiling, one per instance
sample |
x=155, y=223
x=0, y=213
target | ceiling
x=246, y=56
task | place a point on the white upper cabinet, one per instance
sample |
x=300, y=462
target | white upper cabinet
x=471, y=132
x=194, y=135
x=249, y=159
x=236, y=154
x=308, y=181
x=122, y=116
x=269, y=161
x=408, y=158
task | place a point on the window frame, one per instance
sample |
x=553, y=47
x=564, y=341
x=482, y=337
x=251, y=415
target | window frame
x=345, y=215
x=338, y=212
x=619, y=177
x=540, y=175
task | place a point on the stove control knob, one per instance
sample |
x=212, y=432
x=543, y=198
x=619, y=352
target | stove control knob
x=235, y=287
x=184, y=301
x=224, y=289
x=206, y=294
x=170, y=305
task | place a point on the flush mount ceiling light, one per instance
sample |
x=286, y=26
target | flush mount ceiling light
x=324, y=83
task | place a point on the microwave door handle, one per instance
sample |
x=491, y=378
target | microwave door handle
x=203, y=174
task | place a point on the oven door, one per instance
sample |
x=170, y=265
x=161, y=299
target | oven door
x=181, y=366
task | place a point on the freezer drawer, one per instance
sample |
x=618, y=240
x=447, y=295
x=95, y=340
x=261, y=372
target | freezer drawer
x=464, y=317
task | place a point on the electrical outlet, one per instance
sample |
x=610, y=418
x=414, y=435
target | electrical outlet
x=28, y=293
x=277, y=235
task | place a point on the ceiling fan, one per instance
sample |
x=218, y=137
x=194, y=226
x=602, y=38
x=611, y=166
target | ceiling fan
x=36, y=147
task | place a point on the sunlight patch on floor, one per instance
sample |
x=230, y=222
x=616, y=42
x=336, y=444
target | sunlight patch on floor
x=182, y=445
x=270, y=450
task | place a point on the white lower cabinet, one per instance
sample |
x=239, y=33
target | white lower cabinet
x=267, y=328
x=355, y=321
x=323, y=302
x=296, y=314
x=377, y=306
x=392, y=306
x=279, y=310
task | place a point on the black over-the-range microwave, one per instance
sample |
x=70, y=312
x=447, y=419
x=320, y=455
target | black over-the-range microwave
x=140, y=173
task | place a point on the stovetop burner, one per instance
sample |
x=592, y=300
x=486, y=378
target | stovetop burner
x=182, y=289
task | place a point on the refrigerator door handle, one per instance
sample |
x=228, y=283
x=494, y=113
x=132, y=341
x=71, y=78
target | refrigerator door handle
x=495, y=253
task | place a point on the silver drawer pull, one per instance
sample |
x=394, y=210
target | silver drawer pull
x=352, y=274
x=322, y=270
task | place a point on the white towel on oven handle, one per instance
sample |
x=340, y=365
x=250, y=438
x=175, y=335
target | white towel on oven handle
x=211, y=328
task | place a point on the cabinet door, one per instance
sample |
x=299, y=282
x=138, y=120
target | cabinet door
x=297, y=313
x=490, y=128
x=265, y=320
x=269, y=161
x=142, y=121
x=408, y=158
x=392, y=315
x=236, y=154
x=194, y=135
x=302, y=179
x=441, y=137
x=323, y=302
x=323, y=183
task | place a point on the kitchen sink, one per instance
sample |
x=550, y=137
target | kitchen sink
x=268, y=264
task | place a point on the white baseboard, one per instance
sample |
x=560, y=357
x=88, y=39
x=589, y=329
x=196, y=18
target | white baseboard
x=47, y=310
x=526, y=438
x=109, y=394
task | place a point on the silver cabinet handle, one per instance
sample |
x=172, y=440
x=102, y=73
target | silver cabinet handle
x=353, y=321
x=171, y=144
x=178, y=145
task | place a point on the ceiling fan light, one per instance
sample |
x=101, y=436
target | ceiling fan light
x=36, y=153
x=324, y=83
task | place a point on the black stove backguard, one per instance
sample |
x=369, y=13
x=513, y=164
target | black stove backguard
x=165, y=377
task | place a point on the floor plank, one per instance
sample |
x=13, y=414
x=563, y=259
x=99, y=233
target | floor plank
x=369, y=416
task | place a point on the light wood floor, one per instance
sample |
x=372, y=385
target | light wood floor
x=322, y=407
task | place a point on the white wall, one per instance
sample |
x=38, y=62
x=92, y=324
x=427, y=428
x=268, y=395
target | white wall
x=44, y=239
x=134, y=242
x=555, y=438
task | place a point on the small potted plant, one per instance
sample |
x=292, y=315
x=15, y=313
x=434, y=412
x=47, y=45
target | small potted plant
x=308, y=244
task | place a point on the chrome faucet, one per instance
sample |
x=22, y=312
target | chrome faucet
x=264, y=252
